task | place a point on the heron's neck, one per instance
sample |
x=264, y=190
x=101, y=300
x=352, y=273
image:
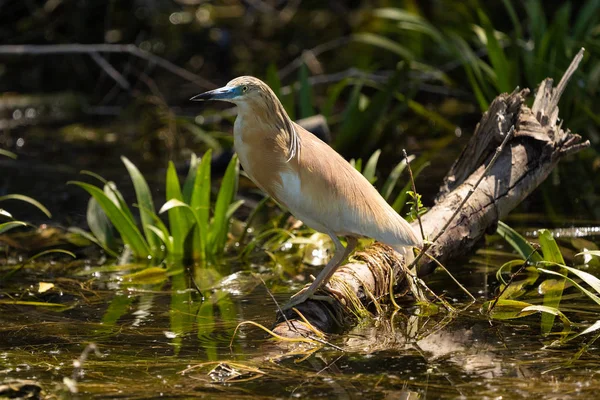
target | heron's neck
x=266, y=119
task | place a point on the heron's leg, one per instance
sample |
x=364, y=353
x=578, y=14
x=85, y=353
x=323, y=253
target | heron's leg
x=339, y=256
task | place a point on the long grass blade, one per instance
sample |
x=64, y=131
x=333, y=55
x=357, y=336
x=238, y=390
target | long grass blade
x=188, y=184
x=552, y=296
x=333, y=94
x=383, y=43
x=8, y=154
x=100, y=225
x=502, y=68
x=127, y=229
x=29, y=200
x=200, y=203
x=7, y=226
x=220, y=225
x=517, y=242
x=178, y=221
x=585, y=291
x=392, y=180
x=306, y=96
x=114, y=195
x=371, y=166
x=146, y=205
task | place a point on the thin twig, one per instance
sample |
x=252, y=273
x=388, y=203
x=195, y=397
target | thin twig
x=414, y=189
x=315, y=51
x=110, y=70
x=287, y=322
x=464, y=289
x=499, y=149
x=512, y=277
x=191, y=275
x=35, y=49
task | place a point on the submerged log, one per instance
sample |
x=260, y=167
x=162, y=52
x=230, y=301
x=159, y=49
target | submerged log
x=538, y=144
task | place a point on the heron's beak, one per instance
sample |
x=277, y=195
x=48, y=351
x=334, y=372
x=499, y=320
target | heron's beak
x=224, y=93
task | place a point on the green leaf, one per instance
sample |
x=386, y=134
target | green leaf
x=496, y=55
x=127, y=229
x=383, y=43
x=147, y=276
x=334, y=93
x=272, y=79
x=200, y=203
x=32, y=303
x=554, y=312
x=371, y=166
x=233, y=208
x=178, y=221
x=507, y=309
x=552, y=296
x=114, y=195
x=185, y=210
x=94, y=175
x=89, y=236
x=188, y=185
x=199, y=134
x=29, y=200
x=392, y=180
x=549, y=247
x=401, y=199
x=8, y=154
x=517, y=242
x=472, y=67
x=100, y=225
x=220, y=225
x=577, y=285
x=7, y=226
x=165, y=237
x=306, y=97
x=146, y=205
x=513, y=17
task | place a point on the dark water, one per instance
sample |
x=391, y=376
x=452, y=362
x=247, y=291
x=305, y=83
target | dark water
x=157, y=338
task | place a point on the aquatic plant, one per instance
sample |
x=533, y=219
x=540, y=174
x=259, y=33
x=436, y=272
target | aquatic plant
x=192, y=232
x=543, y=276
x=6, y=226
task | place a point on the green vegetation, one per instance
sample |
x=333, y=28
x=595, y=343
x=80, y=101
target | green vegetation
x=193, y=233
x=540, y=279
x=4, y=214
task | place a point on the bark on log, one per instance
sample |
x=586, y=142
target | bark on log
x=535, y=149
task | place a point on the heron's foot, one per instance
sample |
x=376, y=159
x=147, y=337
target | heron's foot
x=305, y=294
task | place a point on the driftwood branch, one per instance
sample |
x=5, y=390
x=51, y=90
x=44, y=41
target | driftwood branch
x=95, y=49
x=537, y=145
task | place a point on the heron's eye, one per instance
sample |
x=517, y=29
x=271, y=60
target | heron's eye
x=244, y=89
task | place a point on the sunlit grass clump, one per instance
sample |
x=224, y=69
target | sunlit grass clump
x=193, y=231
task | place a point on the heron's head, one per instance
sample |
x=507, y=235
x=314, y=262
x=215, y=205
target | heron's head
x=243, y=90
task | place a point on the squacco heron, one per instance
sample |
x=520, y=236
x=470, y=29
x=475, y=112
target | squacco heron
x=308, y=177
